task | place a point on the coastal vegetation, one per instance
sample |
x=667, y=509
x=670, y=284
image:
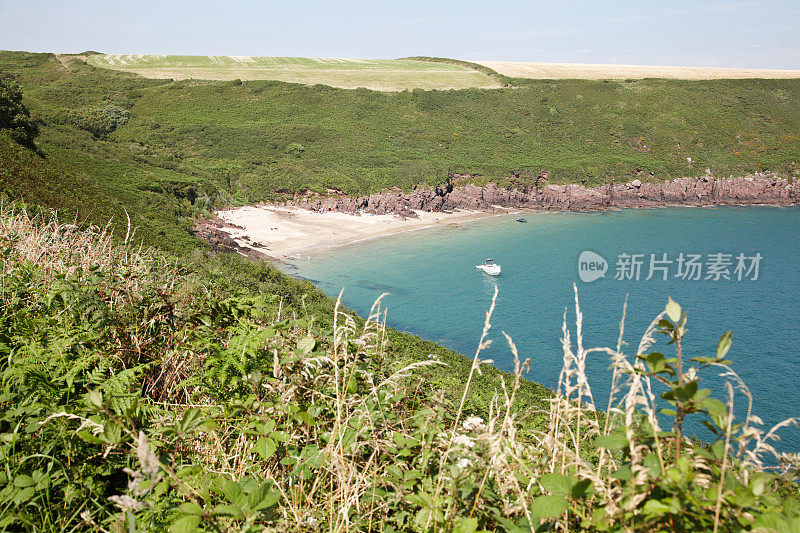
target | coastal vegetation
x=15, y=118
x=151, y=383
x=137, y=397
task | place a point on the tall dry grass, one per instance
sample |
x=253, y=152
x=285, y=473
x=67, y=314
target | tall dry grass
x=61, y=248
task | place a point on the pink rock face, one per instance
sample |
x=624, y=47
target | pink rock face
x=757, y=189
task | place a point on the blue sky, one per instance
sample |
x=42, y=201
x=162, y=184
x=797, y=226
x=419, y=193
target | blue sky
x=755, y=34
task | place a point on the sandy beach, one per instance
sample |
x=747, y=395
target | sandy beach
x=290, y=233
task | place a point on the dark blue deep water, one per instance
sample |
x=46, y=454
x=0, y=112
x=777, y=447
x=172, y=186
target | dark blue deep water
x=436, y=292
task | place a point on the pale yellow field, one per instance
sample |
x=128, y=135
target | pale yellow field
x=376, y=74
x=377, y=80
x=596, y=72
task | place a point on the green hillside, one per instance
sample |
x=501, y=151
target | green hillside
x=195, y=144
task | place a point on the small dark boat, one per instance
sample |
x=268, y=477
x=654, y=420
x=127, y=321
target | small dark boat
x=521, y=220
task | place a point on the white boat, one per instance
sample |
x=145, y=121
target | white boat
x=490, y=267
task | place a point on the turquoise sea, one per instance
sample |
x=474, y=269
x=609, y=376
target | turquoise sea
x=436, y=292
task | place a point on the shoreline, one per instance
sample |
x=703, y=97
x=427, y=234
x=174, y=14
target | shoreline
x=290, y=232
x=311, y=224
x=283, y=233
x=322, y=247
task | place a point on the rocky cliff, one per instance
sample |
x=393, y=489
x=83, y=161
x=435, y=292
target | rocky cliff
x=751, y=190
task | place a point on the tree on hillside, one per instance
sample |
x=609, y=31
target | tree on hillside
x=14, y=116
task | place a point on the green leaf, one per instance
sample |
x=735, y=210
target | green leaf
x=666, y=324
x=266, y=427
x=191, y=509
x=23, y=480
x=280, y=436
x=265, y=447
x=687, y=391
x=263, y=498
x=466, y=525
x=580, y=488
x=192, y=418
x=724, y=344
x=112, y=432
x=600, y=519
x=229, y=510
x=717, y=410
x=613, y=442
x=719, y=449
x=306, y=344
x=652, y=463
x=24, y=495
x=655, y=508
x=701, y=394
x=556, y=484
x=305, y=418
x=233, y=491
x=422, y=499
x=426, y=515
x=185, y=524
x=95, y=398
x=655, y=362
x=757, y=485
x=673, y=310
x=624, y=473
x=548, y=506
x=348, y=438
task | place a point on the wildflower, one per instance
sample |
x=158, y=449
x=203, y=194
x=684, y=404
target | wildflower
x=148, y=460
x=463, y=463
x=473, y=423
x=463, y=440
x=125, y=502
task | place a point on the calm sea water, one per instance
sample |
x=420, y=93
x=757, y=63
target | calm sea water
x=436, y=292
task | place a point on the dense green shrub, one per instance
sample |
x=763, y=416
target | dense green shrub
x=14, y=116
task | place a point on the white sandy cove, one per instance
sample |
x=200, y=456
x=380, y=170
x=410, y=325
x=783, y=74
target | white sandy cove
x=286, y=233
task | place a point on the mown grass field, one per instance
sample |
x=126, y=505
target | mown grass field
x=560, y=71
x=376, y=74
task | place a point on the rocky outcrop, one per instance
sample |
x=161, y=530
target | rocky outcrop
x=213, y=232
x=768, y=189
